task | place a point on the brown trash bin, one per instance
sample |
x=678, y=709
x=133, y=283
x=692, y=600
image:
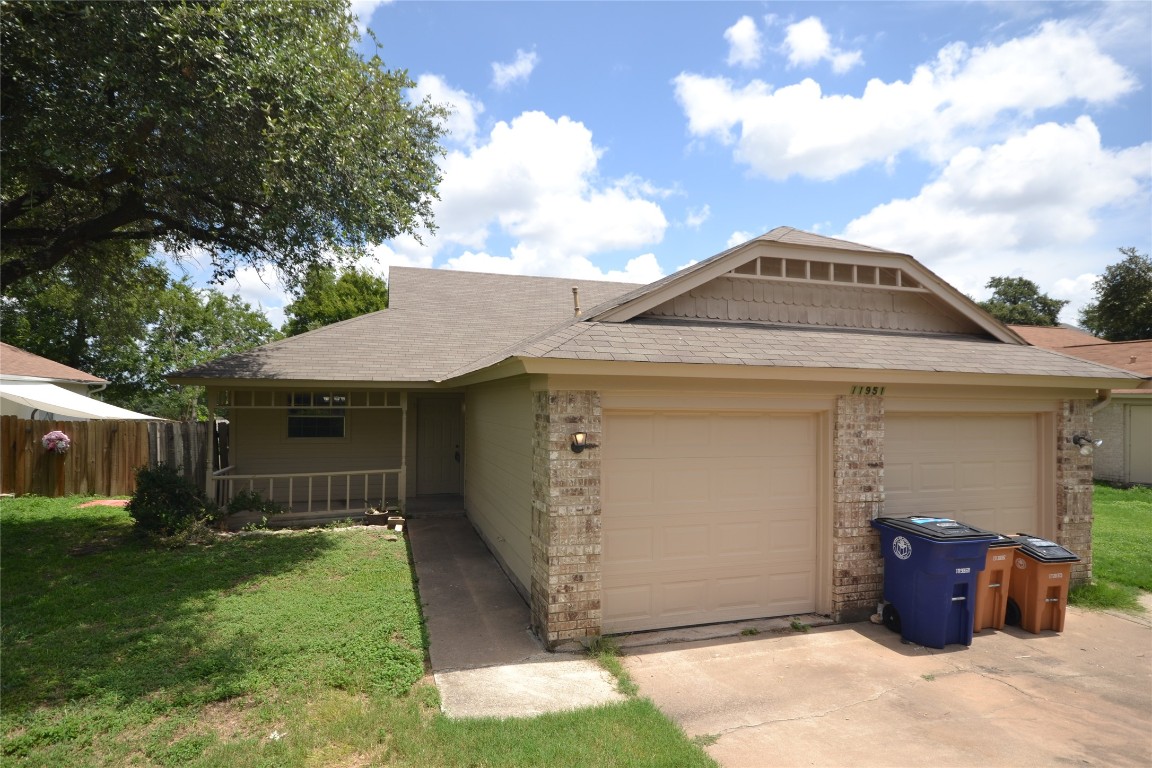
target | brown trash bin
x=992, y=585
x=1039, y=585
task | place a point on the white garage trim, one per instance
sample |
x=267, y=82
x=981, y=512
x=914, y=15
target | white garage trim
x=711, y=516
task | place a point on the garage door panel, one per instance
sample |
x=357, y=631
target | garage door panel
x=718, y=528
x=683, y=542
x=979, y=468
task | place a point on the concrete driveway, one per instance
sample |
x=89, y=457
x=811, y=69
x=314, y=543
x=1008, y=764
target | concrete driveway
x=854, y=695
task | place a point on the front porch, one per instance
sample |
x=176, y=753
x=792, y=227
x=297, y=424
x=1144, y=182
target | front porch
x=303, y=457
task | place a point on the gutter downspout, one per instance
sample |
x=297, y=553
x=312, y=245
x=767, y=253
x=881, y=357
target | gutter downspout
x=99, y=388
x=1103, y=399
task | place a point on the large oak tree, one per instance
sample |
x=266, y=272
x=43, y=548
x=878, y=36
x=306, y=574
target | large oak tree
x=1123, y=307
x=247, y=130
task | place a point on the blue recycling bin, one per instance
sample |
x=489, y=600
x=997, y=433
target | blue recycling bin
x=931, y=565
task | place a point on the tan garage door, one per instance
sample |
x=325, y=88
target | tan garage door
x=981, y=469
x=707, y=517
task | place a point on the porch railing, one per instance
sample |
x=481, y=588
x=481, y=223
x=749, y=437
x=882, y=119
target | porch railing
x=317, y=491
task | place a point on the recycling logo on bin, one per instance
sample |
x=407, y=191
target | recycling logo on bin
x=1021, y=563
x=901, y=547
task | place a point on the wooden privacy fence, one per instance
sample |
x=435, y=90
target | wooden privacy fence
x=103, y=458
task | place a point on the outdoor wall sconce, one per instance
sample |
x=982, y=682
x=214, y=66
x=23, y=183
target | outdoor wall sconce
x=580, y=442
x=1086, y=444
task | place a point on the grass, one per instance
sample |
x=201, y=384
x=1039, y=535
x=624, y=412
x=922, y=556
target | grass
x=263, y=649
x=1121, y=549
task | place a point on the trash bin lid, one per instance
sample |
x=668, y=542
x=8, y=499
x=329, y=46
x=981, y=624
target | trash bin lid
x=939, y=528
x=1002, y=541
x=1043, y=550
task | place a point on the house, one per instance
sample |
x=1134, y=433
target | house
x=710, y=447
x=34, y=387
x=1125, y=424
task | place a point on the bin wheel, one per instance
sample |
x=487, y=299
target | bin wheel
x=891, y=618
x=1012, y=613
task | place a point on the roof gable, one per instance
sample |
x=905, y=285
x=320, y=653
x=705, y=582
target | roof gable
x=798, y=278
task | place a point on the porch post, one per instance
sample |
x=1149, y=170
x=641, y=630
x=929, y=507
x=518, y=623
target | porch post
x=402, y=486
x=210, y=454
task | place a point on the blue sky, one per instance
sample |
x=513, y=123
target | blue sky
x=625, y=140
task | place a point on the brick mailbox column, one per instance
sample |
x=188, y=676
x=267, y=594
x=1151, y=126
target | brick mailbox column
x=1074, y=486
x=858, y=496
x=566, y=545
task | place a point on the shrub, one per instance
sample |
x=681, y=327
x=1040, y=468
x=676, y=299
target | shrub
x=251, y=501
x=165, y=502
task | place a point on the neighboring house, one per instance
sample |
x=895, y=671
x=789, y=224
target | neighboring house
x=745, y=419
x=34, y=387
x=1125, y=424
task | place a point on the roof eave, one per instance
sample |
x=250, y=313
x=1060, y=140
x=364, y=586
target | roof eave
x=870, y=376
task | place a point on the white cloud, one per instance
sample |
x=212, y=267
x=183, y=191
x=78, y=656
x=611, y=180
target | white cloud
x=948, y=103
x=535, y=180
x=531, y=261
x=1029, y=204
x=465, y=110
x=363, y=10
x=807, y=43
x=697, y=216
x=261, y=288
x=738, y=238
x=518, y=70
x=744, y=43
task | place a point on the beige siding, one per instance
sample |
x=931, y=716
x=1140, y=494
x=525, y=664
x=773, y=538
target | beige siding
x=260, y=445
x=804, y=303
x=498, y=471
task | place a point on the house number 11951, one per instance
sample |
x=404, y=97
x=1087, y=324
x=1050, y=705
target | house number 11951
x=867, y=390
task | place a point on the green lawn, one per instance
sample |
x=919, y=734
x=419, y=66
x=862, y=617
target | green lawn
x=117, y=652
x=1121, y=549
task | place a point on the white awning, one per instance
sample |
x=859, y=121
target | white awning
x=63, y=403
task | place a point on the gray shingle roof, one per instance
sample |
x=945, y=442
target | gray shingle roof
x=444, y=324
x=436, y=321
x=701, y=342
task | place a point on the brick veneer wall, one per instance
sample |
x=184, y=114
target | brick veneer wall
x=566, y=541
x=1108, y=459
x=858, y=495
x=1074, y=486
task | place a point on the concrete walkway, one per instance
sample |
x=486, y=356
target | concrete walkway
x=485, y=660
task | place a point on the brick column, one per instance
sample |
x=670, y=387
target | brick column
x=566, y=518
x=858, y=496
x=1074, y=486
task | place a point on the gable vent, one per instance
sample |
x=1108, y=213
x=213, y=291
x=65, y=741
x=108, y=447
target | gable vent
x=777, y=268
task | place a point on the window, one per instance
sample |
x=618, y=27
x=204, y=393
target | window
x=317, y=414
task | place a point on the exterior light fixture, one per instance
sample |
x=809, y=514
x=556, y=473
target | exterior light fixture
x=580, y=442
x=1086, y=444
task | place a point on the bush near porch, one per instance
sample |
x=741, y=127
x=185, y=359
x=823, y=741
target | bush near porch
x=286, y=649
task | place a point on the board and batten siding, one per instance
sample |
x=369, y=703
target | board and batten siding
x=498, y=471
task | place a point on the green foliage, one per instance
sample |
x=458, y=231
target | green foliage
x=799, y=626
x=165, y=502
x=1123, y=307
x=1121, y=549
x=124, y=320
x=325, y=299
x=1018, y=301
x=251, y=131
x=251, y=501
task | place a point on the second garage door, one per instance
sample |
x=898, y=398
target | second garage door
x=978, y=468
x=707, y=517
